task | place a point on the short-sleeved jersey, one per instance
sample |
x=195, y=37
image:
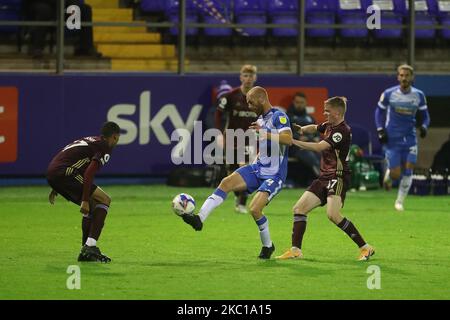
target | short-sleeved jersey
x=333, y=162
x=268, y=163
x=234, y=104
x=76, y=156
x=401, y=110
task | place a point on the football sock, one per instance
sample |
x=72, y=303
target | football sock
x=85, y=227
x=243, y=195
x=348, y=227
x=403, y=188
x=298, y=230
x=211, y=203
x=263, y=226
x=98, y=221
x=91, y=242
x=237, y=197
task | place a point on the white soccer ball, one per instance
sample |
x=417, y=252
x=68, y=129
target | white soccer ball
x=183, y=203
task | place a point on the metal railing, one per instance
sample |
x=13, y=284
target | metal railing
x=182, y=25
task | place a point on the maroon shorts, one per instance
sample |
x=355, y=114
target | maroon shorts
x=69, y=186
x=324, y=187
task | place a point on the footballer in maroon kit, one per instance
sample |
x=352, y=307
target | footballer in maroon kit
x=334, y=179
x=71, y=173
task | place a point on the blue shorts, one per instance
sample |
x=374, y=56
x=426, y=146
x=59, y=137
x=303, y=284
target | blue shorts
x=271, y=185
x=399, y=152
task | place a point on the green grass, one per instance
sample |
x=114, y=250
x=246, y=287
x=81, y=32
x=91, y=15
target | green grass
x=156, y=256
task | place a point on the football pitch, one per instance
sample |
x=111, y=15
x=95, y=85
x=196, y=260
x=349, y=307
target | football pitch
x=157, y=256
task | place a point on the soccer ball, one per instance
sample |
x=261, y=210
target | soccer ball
x=183, y=204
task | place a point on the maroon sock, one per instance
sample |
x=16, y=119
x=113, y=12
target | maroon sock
x=85, y=227
x=243, y=198
x=298, y=230
x=348, y=227
x=98, y=221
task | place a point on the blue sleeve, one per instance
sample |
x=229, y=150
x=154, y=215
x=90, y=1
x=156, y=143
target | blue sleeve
x=281, y=121
x=383, y=103
x=379, y=117
x=425, y=118
x=422, y=101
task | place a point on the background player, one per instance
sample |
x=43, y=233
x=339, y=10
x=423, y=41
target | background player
x=265, y=176
x=234, y=106
x=71, y=173
x=395, y=118
x=334, y=180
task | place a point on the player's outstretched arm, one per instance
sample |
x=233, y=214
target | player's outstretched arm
x=312, y=146
x=284, y=137
x=309, y=129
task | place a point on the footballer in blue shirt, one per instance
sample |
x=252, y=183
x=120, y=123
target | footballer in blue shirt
x=395, y=118
x=265, y=175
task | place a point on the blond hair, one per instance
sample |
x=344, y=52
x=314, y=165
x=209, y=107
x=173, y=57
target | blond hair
x=405, y=67
x=248, y=68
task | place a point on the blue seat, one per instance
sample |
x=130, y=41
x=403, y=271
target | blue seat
x=320, y=12
x=442, y=11
x=152, y=5
x=172, y=14
x=362, y=137
x=391, y=14
x=251, y=12
x=283, y=12
x=353, y=12
x=10, y=10
x=423, y=18
x=216, y=12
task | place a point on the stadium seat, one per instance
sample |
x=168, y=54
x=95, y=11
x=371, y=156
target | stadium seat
x=362, y=137
x=320, y=12
x=10, y=10
x=442, y=11
x=172, y=13
x=423, y=18
x=216, y=12
x=283, y=12
x=152, y=6
x=250, y=12
x=391, y=14
x=353, y=12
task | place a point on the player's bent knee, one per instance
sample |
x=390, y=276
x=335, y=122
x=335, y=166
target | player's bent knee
x=301, y=208
x=226, y=184
x=105, y=200
x=255, y=212
x=395, y=174
x=298, y=210
x=334, y=217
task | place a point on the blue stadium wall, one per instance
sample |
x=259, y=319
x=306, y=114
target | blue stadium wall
x=54, y=110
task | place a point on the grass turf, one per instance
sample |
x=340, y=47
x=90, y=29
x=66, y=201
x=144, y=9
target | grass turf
x=156, y=256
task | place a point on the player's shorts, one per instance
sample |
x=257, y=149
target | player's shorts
x=399, y=151
x=324, y=187
x=271, y=185
x=397, y=156
x=70, y=187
